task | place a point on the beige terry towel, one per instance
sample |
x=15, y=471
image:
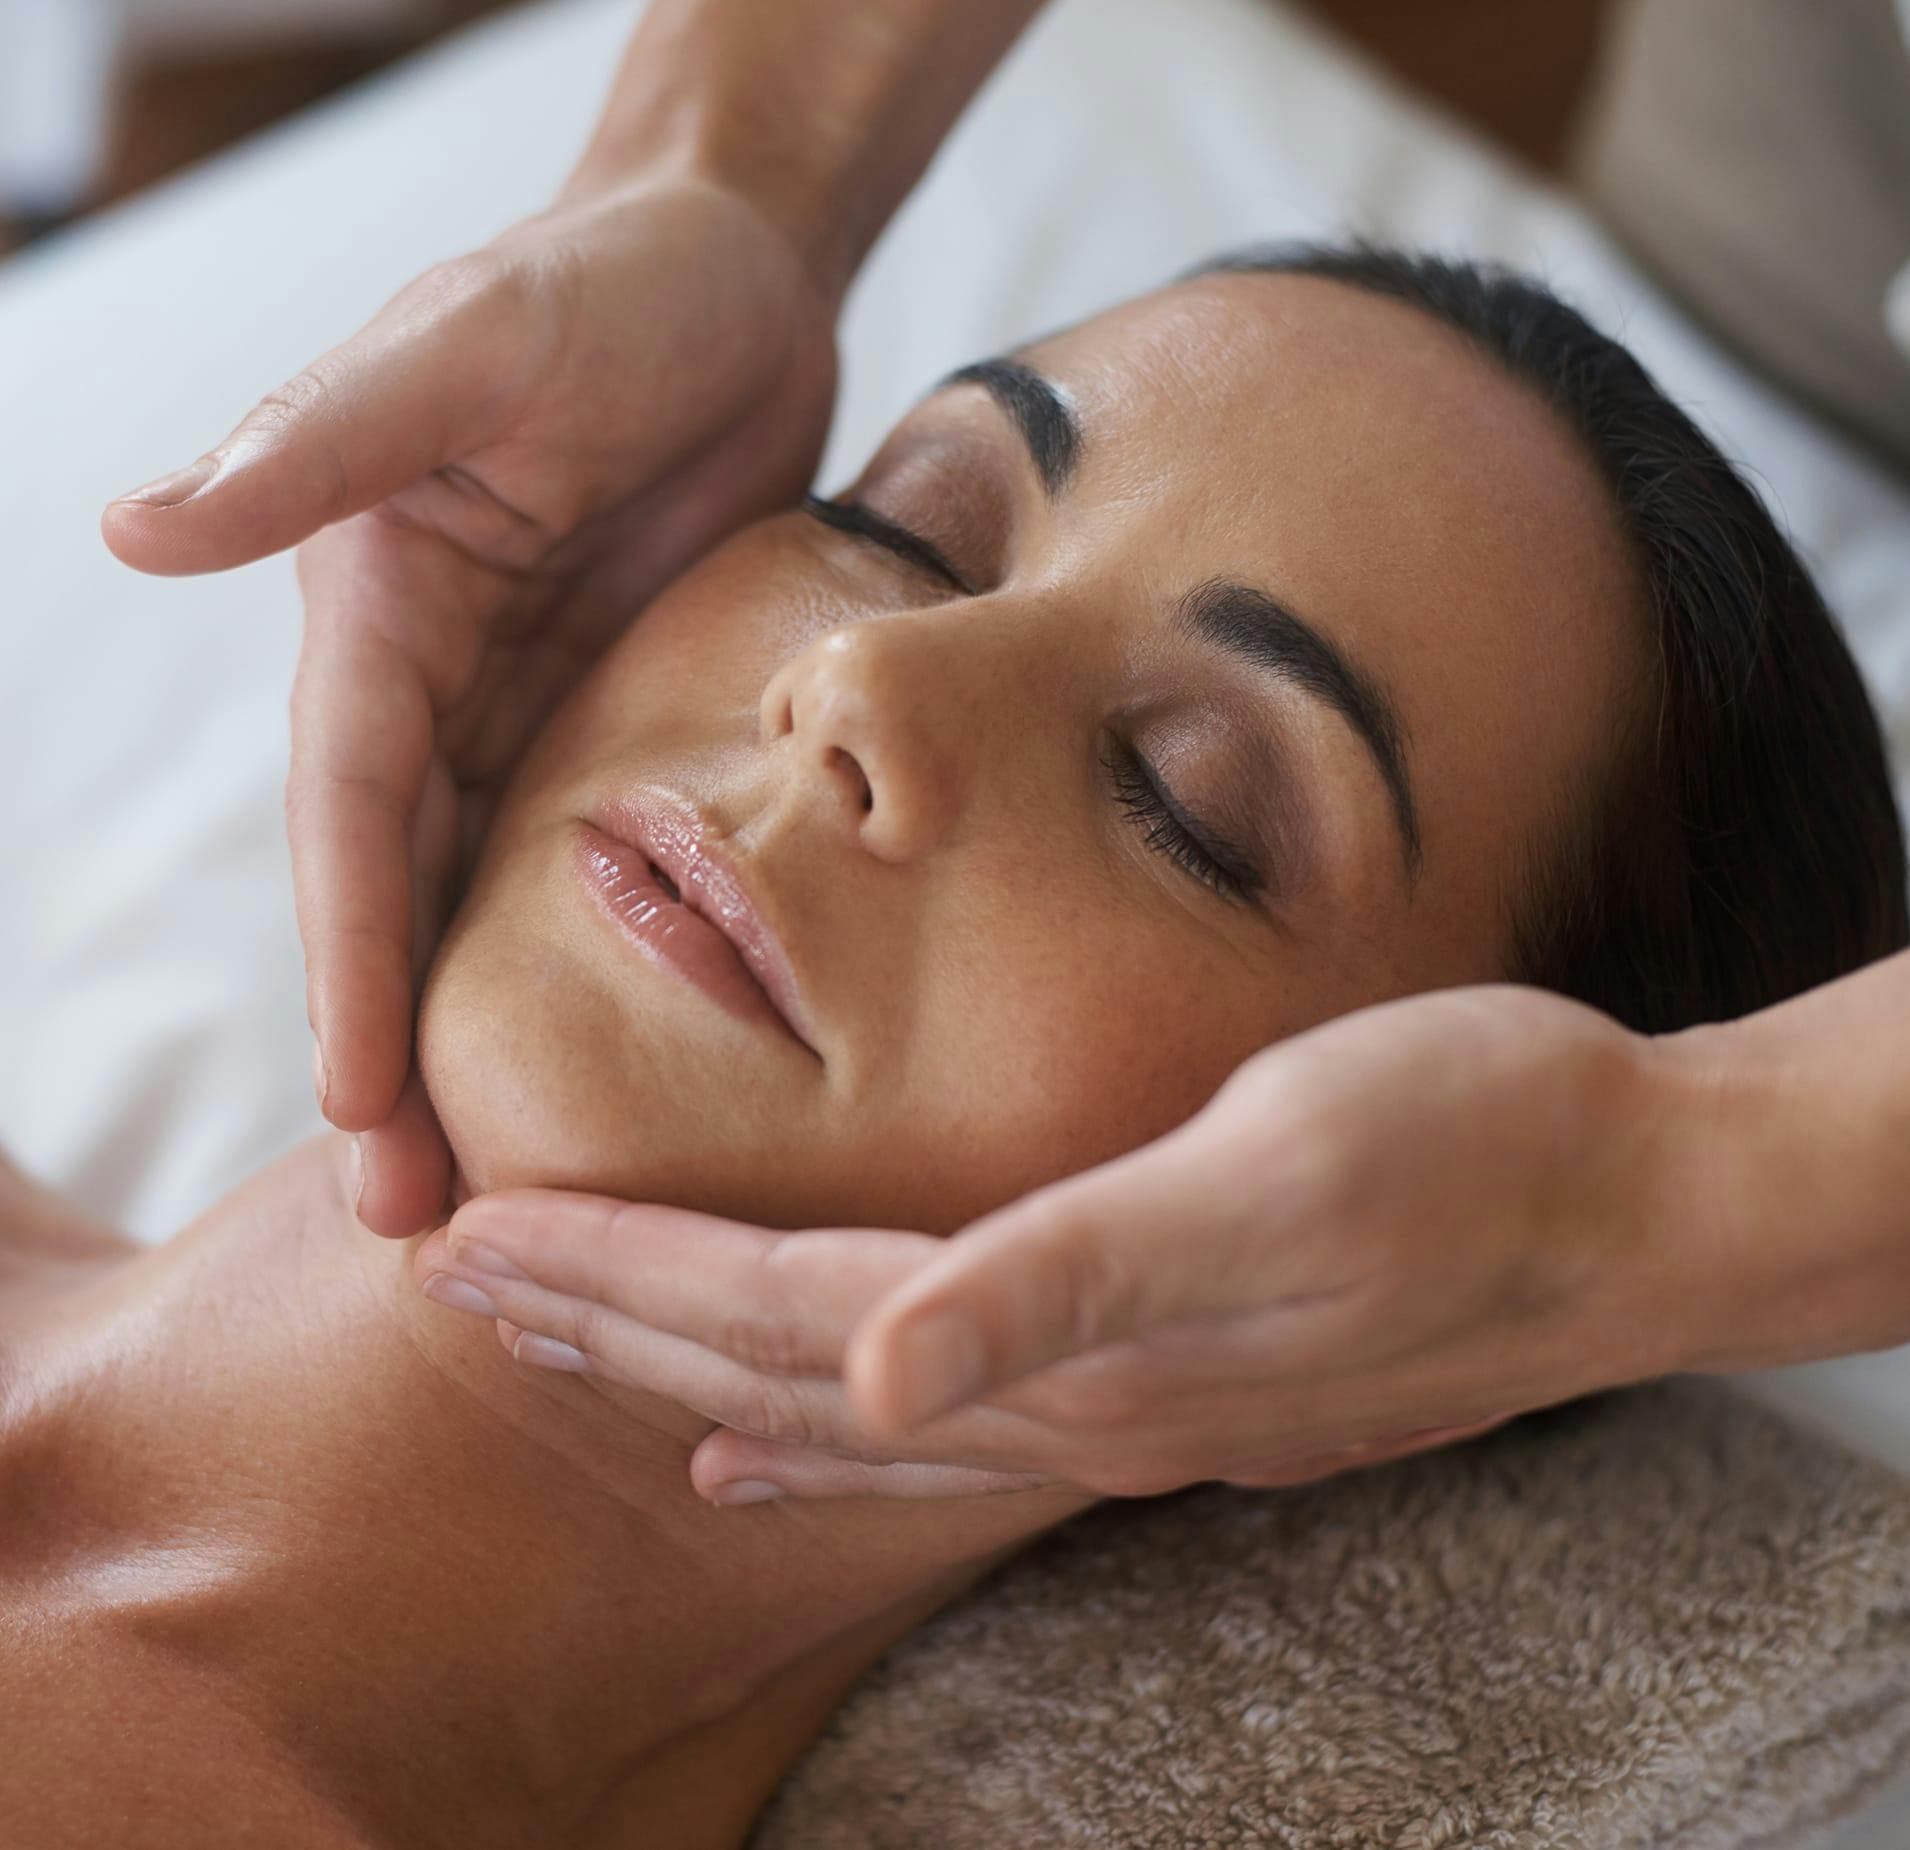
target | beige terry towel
x=1662, y=1616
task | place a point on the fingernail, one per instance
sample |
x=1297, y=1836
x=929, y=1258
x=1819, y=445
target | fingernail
x=321, y=1078
x=456, y=1294
x=746, y=1490
x=475, y=1256
x=943, y=1366
x=181, y=485
x=548, y=1352
x=357, y=1176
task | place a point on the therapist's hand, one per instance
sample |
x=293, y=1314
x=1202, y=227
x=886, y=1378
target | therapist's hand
x=1388, y=1233
x=505, y=464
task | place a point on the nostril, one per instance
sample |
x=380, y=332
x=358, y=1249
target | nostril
x=845, y=762
x=776, y=716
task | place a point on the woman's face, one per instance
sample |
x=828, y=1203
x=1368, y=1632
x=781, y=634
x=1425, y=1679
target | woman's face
x=1214, y=668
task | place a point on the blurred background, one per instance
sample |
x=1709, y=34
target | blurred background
x=99, y=98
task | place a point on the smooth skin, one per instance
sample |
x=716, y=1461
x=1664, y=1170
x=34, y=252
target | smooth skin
x=774, y=142
x=522, y=447
x=1488, y=1197
x=1006, y=980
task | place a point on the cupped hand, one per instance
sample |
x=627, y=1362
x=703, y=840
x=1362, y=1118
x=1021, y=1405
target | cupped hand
x=1394, y=1231
x=504, y=464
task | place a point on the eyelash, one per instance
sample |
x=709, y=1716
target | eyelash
x=1170, y=830
x=1166, y=827
x=864, y=523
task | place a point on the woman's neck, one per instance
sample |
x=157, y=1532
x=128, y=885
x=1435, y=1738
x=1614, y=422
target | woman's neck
x=474, y=1602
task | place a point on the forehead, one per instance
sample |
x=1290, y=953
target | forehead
x=1298, y=394
x=1371, y=467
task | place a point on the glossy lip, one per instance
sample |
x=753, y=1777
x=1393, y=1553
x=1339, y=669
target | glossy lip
x=712, y=932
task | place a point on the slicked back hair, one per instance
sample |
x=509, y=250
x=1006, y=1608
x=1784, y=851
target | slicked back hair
x=1745, y=846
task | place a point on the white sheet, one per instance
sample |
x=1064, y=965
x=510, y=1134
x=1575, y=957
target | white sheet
x=152, y=1037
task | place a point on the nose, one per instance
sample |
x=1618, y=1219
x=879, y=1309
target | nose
x=878, y=714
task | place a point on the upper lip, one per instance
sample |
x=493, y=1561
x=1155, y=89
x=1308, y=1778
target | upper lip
x=677, y=838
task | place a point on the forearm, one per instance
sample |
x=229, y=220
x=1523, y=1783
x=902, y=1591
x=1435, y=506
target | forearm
x=822, y=112
x=1788, y=1157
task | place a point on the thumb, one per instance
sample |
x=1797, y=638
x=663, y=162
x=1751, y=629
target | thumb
x=360, y=423
x=1085, y=1262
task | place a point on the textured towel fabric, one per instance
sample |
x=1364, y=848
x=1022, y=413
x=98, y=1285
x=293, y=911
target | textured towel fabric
x=1656, y=1617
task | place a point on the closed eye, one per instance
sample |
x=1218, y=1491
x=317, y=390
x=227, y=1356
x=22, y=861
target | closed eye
x=1169, y=828
x=866, y=524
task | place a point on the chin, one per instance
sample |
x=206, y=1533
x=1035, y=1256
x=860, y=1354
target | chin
x=546, y=1071
x=511, y=1072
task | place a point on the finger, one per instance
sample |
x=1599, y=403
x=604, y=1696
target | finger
x=1088, y=1261
x=405, y=1168
x=361, y=422
x=733, y=1468
x=783, y=1303
x=804, y=1411
x=362, y=726
x=434, y=865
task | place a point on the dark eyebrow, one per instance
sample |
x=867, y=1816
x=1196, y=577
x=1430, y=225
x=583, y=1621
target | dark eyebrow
x=1260, y=629
x=1041, y=414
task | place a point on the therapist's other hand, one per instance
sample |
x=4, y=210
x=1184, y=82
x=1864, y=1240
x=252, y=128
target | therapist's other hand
x=504, y=464
x=1394, y=1231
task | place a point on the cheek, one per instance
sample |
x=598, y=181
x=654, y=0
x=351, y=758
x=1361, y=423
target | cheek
x=715, y=636
x=696, y=659
x=1059, y=1050
x=512, y=1058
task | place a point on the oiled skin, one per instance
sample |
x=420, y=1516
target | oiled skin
x=106, y=1737
x=290, y=1557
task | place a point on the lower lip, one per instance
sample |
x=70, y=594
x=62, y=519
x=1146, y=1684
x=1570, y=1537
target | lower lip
x=667, y=932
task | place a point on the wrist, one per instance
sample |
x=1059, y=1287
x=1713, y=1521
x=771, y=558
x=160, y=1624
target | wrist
x=820, y=114
x=1779, y=1255
x=795, y=205
x=1628, y=1227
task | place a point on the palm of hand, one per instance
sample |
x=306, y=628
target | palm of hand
x=610, y=424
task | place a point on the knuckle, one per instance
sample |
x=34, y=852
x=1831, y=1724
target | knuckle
x=768, y=1409
x=1091, y=1287
x=310, y=398
x=594, y=1247
x=783, y=1280
x=1084, y=1402
x=305, y=395
x=762, y=1344
x=455, y=281
x=486, y=299
x=588, y=1327
x=485, y=277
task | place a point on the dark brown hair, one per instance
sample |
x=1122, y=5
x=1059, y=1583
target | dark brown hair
x=1746, y=846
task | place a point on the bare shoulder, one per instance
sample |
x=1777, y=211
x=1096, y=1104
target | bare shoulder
x=112, y=1741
